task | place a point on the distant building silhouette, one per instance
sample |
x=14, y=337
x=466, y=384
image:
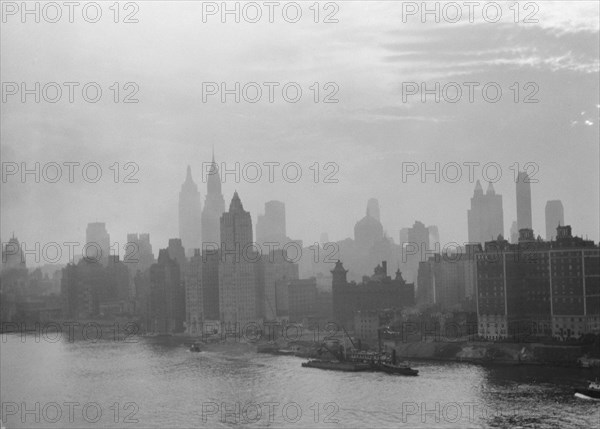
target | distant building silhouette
x=214, y=206
x=89, y=289
x=167, y=295
x=190, y=214
x=485, y=217
x=210, y=284
x=97, y=247
x=302, y=299
x=12, y=254
x=377, y=292
x=270, y=226
x=555, y=216
x=523, y=188
x=277, y=272
x=368, y=230
x=416, y=249
x=448, y=280
x=194, y=296
x=434, y=235
x=177, y=252
x=138, y=253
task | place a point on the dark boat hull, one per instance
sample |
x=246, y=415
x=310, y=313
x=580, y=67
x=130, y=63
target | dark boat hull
x=589, y=393
x=398, y=370
x=336, y=366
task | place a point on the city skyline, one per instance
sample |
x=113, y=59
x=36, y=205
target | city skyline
x=212, y=191
x=351, y=214
x=368, y=134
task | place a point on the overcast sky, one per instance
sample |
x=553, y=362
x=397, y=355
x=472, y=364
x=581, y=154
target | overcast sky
x=369, y=133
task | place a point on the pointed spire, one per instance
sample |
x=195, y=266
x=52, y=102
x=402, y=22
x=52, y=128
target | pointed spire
x=490, y=189
x=478, y=188
x=189, y=185
x=213, y=185
x=236, y=203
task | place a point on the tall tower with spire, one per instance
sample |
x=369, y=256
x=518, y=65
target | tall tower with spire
x=214, y=206
x=485, y=217
x=239, y=294
x=190, y=213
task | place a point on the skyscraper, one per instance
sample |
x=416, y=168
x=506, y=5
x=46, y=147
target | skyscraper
x=555, y=216
x=416, y=249
x=270, y=227
x=434, y=234
x=194, y=305
x=368, y=230
x=523, y=201
x=214, y=206
x=167, y=295
x=210, y=284
x=485, y=217
x=177, y=253
x=190, y=214
x=138, y=253
x=239, y=294
x=97, y=243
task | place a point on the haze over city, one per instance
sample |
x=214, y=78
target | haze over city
x=350, y=214
x=368, y=134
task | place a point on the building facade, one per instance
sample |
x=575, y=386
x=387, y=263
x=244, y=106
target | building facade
x=167, y=311
x=538, y=288
x=523, y=188
x=240, y=294
x=377, y=292
x=190, y=214
x=302, y=299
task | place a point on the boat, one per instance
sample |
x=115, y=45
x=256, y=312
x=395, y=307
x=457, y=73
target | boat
x=379, y=361
x=592, y=392
x=357, y=360
x=396, y=369
x=336, y=365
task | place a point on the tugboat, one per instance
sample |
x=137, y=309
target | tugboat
x=336, y=365
x=381, y=362
x=592, y=392
x=355, y=360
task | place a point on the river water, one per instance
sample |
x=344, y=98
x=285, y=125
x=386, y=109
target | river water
x=154, y=382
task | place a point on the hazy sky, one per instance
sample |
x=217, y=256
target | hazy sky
x=369, y=133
